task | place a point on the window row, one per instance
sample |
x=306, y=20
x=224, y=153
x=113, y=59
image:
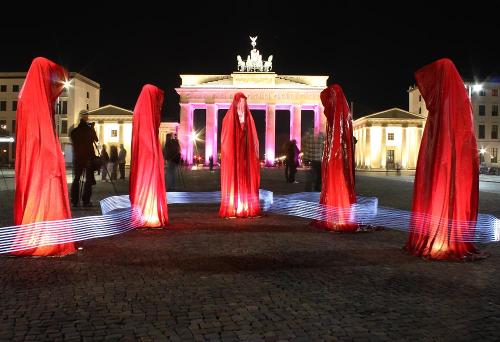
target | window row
x=482, y=132
x=3, y=88
x=493, y=155
x=3, y=106
x=494, y=92
x=482, y=110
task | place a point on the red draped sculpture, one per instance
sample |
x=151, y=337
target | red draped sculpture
x=240, y=166
x=337, y=171
x=445, y=195
x=41, y=188
x=147, y=181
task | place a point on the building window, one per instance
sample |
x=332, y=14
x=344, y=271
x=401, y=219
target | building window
x=420, y=110
x=390, y=136
x=15, y=88
x=419, y=98
x=3, y=125
x=494, y=92
x=481, y=132
x=88, y=95
x=87, y=106
x=494, y=155
x=494, y=110
x=64, y=109
x=494, y=131
x=114, y=133
x=3, y=88
x=482, y=92
x=3, y=106
x=482, y=110
x=13, y=126
x=14, y=105
x=481, y=158
x=64, y=127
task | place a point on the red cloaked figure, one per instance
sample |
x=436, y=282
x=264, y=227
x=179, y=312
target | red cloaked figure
x=240, y=166
x=445, y=195
x=147, y=182
x=41, y=191
x=337, y=169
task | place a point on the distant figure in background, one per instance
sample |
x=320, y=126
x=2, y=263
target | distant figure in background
x=122, y=155
x=312, y=147
x=211, y=163
x=291, y=161
x=173, y=158
x=113, y=162
x=105, y=162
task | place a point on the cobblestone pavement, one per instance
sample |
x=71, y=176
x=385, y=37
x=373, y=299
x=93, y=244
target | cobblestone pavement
x=265, y=279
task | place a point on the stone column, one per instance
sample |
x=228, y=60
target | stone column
x=270, y=134
x=185, y=130
x=383, y=148
x=322, y=119
x=317, y=119
x=101, y=131
x=211, y=133
x=367, y=148
x=295, y=123
x=404, y=152
x=120, y=132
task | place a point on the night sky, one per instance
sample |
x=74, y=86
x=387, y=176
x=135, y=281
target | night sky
x=371, y=50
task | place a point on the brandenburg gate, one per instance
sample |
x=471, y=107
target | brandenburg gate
x=265, y=91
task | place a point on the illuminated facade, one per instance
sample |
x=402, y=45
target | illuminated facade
x=113, y=126
x=265, y=91
x=485, y=101
x=388, y=140
x=83, y=93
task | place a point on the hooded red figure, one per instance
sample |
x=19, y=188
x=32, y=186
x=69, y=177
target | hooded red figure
x=147, y=181
x=41, y=191
x=337, y=167
x=240, y=166
x=445, y=195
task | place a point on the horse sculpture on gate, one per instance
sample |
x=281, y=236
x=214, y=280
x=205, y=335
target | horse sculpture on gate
x=254, y=61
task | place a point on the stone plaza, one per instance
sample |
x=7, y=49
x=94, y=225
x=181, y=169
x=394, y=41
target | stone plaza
x=273, y=278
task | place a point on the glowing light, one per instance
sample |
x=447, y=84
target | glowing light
x=67, y=84
x=6, y=139
x=477, y=87
x=119, y=218
x=482, y=150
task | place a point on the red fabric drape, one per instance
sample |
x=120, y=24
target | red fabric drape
x=147, y=181
x=41, y=191
x=337, y=167
x=447, y=180
x=240, y=166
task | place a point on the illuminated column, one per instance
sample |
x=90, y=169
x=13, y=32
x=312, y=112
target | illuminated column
x=211, y=133
x=367, y=148
x=317, y=119
x=185, y=129
x=295, y=123
x=120, y=132
x=101, y=131
x=322, y=119
x=270, y=134
x=383, y=150
x=404, y=151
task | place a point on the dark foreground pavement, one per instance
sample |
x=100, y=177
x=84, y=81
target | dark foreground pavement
x=265, y=279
